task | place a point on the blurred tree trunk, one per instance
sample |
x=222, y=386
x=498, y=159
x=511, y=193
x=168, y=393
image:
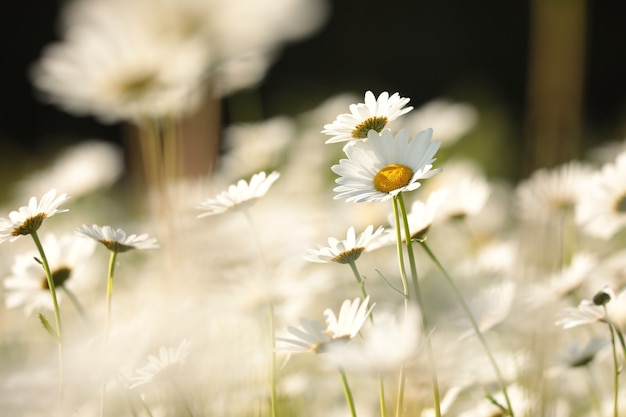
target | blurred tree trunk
x=555, y=83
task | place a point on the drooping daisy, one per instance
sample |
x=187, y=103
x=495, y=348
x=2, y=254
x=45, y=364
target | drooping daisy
x=239, y=196
x=116, y=240
x=347, y=250
x=602, y=212
x=385, y=165
x=164, y=367
x=27, y=285
x=550, y=193
x=317, y=338
x=28, y=219
x=590, y=311
x=374, y=114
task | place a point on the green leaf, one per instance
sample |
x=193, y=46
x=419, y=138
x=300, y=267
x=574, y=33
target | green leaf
x=49, y=329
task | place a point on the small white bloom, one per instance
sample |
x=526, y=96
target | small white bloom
x=28, y=219
x=163, y=367
x=491, y=307
x=347, y=250
x=239, y=196
x=317, y=338
x=374, y=114
x=385, y=165
x=116, y=240
x=27, y=285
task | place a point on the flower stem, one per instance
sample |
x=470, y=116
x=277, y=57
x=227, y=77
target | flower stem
x=107, y=319
x=347, y=392
x=359, y=281
x=468, y=312
x=55, y=304
x=615, y=366
x=418, y=298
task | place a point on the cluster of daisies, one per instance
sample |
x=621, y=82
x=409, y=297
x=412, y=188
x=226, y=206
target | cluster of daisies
x=463, y=295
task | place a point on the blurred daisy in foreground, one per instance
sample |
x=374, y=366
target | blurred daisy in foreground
x=81, y=169
x=374, y=114
x=28, y=219
x=385, y=165
x=318, y=338
x=116, y=240
x=491, y=307
x=602, y=212
x=27, y=285
x=164, y=367
x=551, y=193
x=347, y=250
x=240, y=196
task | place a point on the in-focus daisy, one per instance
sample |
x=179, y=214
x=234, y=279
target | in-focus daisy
x=317, y=338
x=28, y=219
x=550, y=193
x=348, y=250
x=164, y=367
x=239, y=196
x=385, y=165
x=116, y=240
x=374, y=114
x=27, y=285
x=602, y=212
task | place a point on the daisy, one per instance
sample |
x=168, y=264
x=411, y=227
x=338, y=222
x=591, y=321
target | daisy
x=374, y=114
x=163, y=367
x=385, y=165
x=28, y=219
x=317, y=338
x=550, y=193
x=345, y=251
x=588, y=311
x=491, y=307
x=240, y=196
x=27, y=285
x=602, y=213
x=116, y=240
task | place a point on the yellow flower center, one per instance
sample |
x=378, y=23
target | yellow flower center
x=59, y=276
x=349, y=256
x=392, y=177
x=30, y=225
x=376, y=123
x=114, y=246
x=620, y=204
x=135, y=88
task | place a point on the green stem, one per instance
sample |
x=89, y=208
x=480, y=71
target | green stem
x=418, y=297
x=400, y=397
x=359, y=281
x=107, y=320
x=347, y=392
x=468, y=312
x=405, y=285
x=55, y=304
x=615, y=367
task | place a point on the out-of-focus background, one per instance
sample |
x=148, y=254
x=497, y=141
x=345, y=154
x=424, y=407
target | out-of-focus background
x=546, y=76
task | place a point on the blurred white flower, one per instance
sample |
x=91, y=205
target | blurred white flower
x=116, y=240
x=602, y=211
x=28, y=219
x=318, y=338
x=79, y=170
x=550, y=193
x=605, y=306
x=239, y=196
x=347, y=250
x=164, y=367
x=374, y=114
x=491, y=307
x=385, y=165
x=27, y=285
x=448, y=119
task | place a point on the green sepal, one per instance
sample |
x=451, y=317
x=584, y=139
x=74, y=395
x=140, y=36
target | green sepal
x=49, y=329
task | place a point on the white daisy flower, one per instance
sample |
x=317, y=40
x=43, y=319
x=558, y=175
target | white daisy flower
x=239, y=196
x=550, y=193
x=116, y=240
x=28, y=219
x=164, y=367
x=385, y=165
x=27, y=285
x=602, y=212
x=347, y=250
x=317, y=338
x=605, y=303
x=491, y=307
x=374, y=114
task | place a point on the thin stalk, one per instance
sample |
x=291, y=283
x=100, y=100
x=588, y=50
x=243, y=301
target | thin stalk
x=400, y=397
x=55, y=305
x=359, y=281
x=615, y=367
x=418, y=297
x=107, y=320
x=405, y=285
x=468, y=312
x=347, y=392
